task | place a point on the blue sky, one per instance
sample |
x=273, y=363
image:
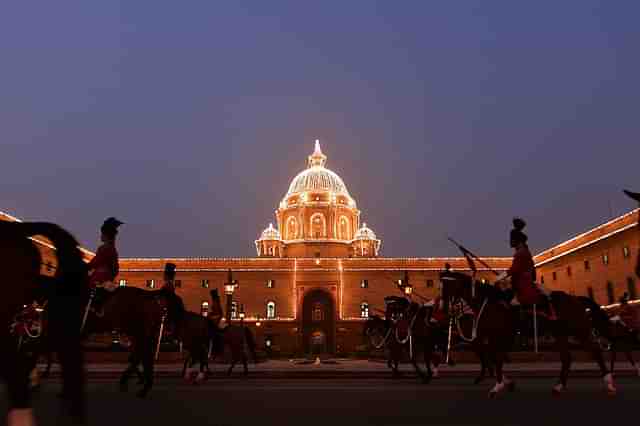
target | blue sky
x=188, y=120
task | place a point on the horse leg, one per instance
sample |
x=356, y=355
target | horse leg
x=480, y=353
x=607, y=376
x=16, y=376
x=428, y=357
x=629, y=355
x=147, y=364
x=498, y=359
x=244, y=365
x=613, y=358
x=124, y=377
x=565, y=358
x=233, y=364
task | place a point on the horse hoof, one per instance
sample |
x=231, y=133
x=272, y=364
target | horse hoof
x=493, y=394
x=201, y=377
x=558, y=389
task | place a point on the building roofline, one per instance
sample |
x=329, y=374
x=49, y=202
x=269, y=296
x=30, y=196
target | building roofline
x=585, y=234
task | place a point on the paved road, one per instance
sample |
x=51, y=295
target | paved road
x=256, y=402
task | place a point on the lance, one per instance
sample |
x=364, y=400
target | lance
x=160, y=336
x=464, y=250
x=92, y=295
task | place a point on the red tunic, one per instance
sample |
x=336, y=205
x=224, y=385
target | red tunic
x=522, y=272
x=104, y=265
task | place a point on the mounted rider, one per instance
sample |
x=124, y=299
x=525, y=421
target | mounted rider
x=523, y=273
x=103, y=268
x=168, y=291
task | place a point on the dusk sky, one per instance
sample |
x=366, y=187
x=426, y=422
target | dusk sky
x=188, y=120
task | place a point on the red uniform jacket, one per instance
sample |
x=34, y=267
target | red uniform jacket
x=104, y=265
x=522, y=272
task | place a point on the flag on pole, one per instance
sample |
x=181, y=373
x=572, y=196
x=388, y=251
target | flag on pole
x=469, y=258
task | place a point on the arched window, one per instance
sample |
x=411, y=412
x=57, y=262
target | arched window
x=364, y=310
x=204, y=308
x=271, y=310
x=234, y=310
x=343, y=229
x=292, y=228
x=318, y=226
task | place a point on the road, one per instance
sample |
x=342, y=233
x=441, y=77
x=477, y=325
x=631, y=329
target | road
x=257, y=402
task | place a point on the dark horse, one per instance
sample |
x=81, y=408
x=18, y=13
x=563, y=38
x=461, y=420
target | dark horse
x=407, y=330
x=138, y=313
x=494, y=324
x=202, y=339
x=20, y=265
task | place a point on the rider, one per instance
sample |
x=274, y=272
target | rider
x=104, y=265
x=523, y=272
x=168, y=290
x=445, y=277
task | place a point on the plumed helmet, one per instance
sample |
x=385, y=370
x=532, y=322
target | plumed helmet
x=516, y=233
x=170, y=270
x=110, y=226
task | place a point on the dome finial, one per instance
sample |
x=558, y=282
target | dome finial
x=317, y=158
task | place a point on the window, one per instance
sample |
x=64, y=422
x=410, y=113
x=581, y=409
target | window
x=234, y=310
x=292, y=228
x=151, y=283
x=364, y=284
x=554, y=276
x=625, y=252
x=271, y=283
x=587, y=266
x=177, y=283
x=318, y=226
x=271, y=251
x=483, y=281
x=204, y=308
x=541, y=279
x=364, y=310
x=271, y=310
x=429, y=283
x=205, y=283
x=631, y=288
x=590, y=293
x=605, y=259
x=122, y=283
x=611, y=297
x=568, y=271
x=49, y=266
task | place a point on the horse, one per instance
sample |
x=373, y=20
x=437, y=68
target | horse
x=20, y=263
x=405, y=331
x=494, y=326
x=138, y=313
x=196, y=334
x=622, y=339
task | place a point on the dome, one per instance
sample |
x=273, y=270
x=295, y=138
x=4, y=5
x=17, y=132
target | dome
x=270, y=233
x=317, y=178
x=365, y=233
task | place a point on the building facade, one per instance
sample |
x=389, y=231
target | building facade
x=319, y=273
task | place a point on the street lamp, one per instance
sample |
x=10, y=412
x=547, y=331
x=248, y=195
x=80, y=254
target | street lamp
x=229, y=288
x=258, y=323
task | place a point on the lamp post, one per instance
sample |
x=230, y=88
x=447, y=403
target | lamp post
x=229, y=288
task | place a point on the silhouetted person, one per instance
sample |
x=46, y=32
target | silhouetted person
x=103, y=268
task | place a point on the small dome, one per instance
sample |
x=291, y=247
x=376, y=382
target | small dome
x=365, y=233
x=270, y=233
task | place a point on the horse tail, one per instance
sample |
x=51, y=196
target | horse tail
x=71, y=266
x=250, y=342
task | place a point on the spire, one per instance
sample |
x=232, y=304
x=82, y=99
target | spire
x=317, y=158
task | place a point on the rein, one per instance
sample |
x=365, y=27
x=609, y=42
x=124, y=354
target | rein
x=476, y=321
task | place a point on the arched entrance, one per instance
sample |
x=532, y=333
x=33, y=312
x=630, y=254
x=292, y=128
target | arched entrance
x=318, y=322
